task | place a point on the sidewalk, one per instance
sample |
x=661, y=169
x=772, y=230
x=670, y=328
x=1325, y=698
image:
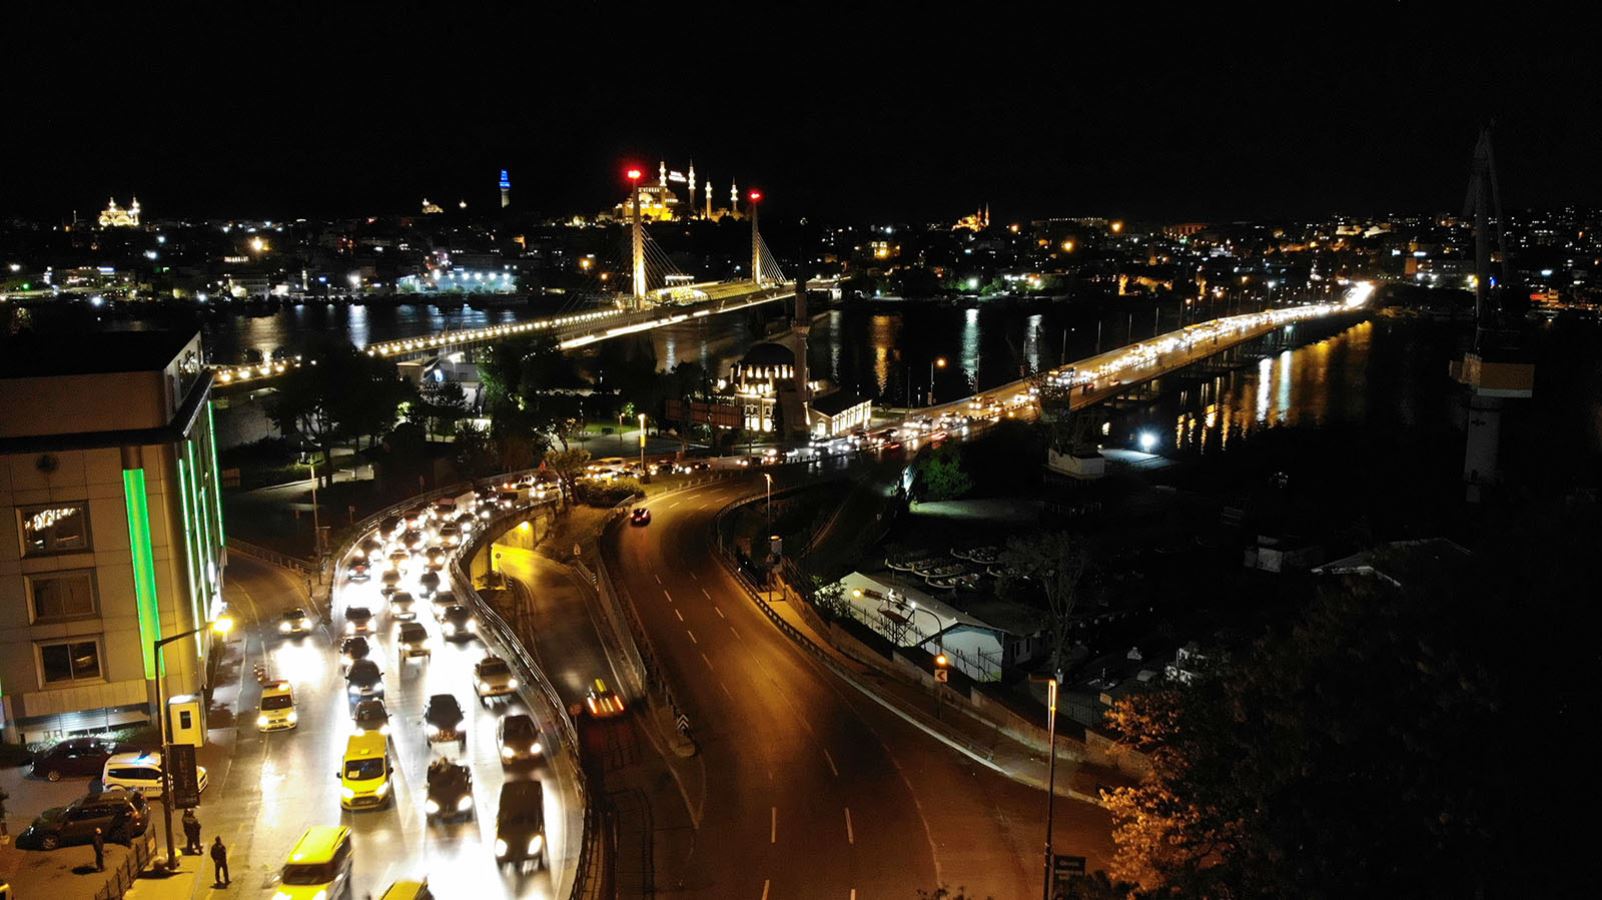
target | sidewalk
x=67, y=873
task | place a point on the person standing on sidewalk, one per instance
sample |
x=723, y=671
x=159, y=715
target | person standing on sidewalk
x=219, y=862
x=191, y=833
x=100, y=851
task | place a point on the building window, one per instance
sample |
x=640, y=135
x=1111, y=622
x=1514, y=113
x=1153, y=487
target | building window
x=54, y=528
x=62, y=595
x=69, y=661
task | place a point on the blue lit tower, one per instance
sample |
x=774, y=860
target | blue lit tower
x=506, y=189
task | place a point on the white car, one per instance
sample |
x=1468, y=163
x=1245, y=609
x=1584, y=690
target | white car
x=142, y=771
x=492, y=677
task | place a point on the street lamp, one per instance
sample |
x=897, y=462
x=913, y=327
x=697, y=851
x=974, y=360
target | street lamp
x=768, y=510
x=1051, y=770
x=317, y=531
x=642, y=445
x=937, y=361
x=220, y=626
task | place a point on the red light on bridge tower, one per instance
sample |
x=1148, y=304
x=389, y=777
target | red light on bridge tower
x=633, y=174
x=755, y=196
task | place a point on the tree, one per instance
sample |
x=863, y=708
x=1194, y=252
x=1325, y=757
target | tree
x=473, y=451
x=941, y=476
x=441, y=405
x=567, y=464
x=829, y=596
x=343, y=396
x=1052, y=565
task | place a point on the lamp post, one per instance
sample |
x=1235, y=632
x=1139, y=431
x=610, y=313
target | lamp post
x=937, y=361
x=620, y=418
x=642, y=445
x=317, y=531
x=222, y=625
x=1051, y=771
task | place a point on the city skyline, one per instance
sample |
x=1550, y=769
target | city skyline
x=301, y=121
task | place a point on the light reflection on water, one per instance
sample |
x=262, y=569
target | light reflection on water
x=1304, y=386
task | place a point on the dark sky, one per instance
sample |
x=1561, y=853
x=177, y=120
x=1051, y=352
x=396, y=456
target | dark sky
x=909, y=112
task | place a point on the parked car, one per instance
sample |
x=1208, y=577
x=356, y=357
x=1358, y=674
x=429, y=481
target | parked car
x=120, y=815
x=140, y=770
x=74, y=757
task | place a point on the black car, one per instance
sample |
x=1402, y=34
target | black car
x=457, y=623
x=443, y=720
x=520, y=824
x=428, y=581
x=640, y=516
x=74, y=756
x=450, y=791
x=519, y=739
x=371, y=715
x=354, y=648
x=120, y=815
x=364, y=680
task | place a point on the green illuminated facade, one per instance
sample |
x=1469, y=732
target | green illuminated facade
x=111, y=530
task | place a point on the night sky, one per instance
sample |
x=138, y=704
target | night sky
x=838, y=115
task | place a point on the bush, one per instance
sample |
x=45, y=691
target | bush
x=609, y=493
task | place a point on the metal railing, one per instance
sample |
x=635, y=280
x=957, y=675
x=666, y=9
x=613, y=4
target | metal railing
x=140, y=851
x=258, y=552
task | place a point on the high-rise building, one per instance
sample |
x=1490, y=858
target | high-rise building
x=111, y=529
x=506, y=189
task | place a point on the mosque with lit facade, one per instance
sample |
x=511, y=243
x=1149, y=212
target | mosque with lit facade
x=114, y=216
x=659, y=202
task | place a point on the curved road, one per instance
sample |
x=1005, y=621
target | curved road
x=809, y=789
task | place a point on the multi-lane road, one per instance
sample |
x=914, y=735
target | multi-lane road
x=272, y=786
x=806, y=787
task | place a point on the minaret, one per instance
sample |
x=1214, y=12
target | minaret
x=133, y=211
x=691, y=213
x=506, y=189
x=709, y=200
x=734, y=198
x=661, y=172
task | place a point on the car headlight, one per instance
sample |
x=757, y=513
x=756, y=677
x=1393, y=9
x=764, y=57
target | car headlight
x=507, y=753
x=500, y=847
x=381, y=790
x=347, y=793
x=350, y=627
x=283, y=627
x=321, y=895
x=293, y=717
x=472, y=625
x=535, y=843
x=511, y=684
x=464, y=804
x=384, y=729
x=430, y=807
x=536, y=748
x=355, y=689
x=431, y=729
x=280, y=895
x=261, y=721
x=480, y=685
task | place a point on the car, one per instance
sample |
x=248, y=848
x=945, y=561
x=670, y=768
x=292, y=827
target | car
x=428, y=581
x=391, y=580
x=399, y=560
x=277, y=710
x=435, y=557
x=640, y=517
x=520, y=824
x=294, y=623
x=403, y=606
x=365, y=772
x=407, y=889
x=442, y=720
x=371, y=715
x=519, y=738
x=370, y=548
x=457, y=623
x=440, y=602
x=492, y=677
x=603, y=703
x=451, y=534
x=319, y=866
x=389, y=525
x=74, y=757
x=356, y=570
x=412, y=540
x=450, y=791
x=412, y=641
x=120, y=815
x=354, y=648
x=364, y=679
x=358, y=620
x=142, y=771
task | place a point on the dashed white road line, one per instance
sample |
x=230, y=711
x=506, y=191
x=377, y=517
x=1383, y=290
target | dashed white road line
x=709, y=663
x=692, y=636
x=679, y=614
x=764, y=889
x=667, y=595
x=657, y=577
x=773, y=829
x=725, y=687
x=851, y=836
x=718, y=611
x=705, y=594
x=736, y=634
x=832, y=766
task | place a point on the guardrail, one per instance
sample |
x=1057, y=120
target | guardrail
x=140, y=852
x=256, y=551
x=512, y=649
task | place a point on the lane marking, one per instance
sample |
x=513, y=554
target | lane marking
x=736, y=633
x=764, y=889
x=693, y=576
x=832, y=767
x=709, y=663
x=674, y=503
x=851, y=836
x=705, y=594
x=657, y=577
x=773, y=829
x=725, y=689
x=853, y=894
x=679, y=614
x=692, y=636
x=719, y=611
x=667, y=595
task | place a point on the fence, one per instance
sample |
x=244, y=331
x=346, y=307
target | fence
x=256, y=551
x=121, y=878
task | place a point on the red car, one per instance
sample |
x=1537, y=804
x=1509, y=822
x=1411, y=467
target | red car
x=640, y=516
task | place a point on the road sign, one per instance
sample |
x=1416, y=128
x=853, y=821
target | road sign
x=1065, y=870
x=180, y=763
x=942, y=675
x=682, y=724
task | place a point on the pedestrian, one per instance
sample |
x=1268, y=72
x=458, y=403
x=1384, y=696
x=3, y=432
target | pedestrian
x=191, y=833
x=219, y=861
x=100, y=851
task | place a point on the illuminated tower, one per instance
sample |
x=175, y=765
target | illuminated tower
x=691, y=213
x=709, y=200
x=734, y=198
x=756, y=241
x=133, y=212
x=661, y=172
x=638, y=240
x=506, y=189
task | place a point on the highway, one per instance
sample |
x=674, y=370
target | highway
x=808, y=788
x=274, y=785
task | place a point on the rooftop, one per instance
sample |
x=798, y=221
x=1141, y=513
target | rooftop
x=31, y=355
